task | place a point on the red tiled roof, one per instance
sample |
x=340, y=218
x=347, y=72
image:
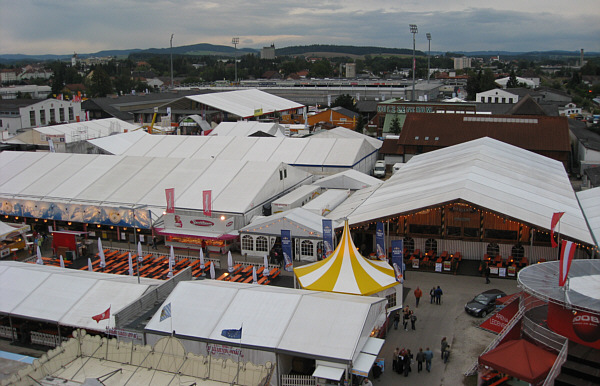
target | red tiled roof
x=535, y=133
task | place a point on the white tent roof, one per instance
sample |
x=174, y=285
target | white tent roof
x=348, y=179
x=6, y=229
x=88, y=129
x=66, y=296
x=274, y=318
x=342, y=132
x=590, y=204
x=120, y=143
x=301, y=223
x=243, y=103
x=237, y=185
x=336, y=152
x=485, y=172
x=247, y=128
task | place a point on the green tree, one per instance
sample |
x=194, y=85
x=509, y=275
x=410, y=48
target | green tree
x=321, y=69
x=395, y=127
x=345, y=101
x=512, y=80
x=100, y=84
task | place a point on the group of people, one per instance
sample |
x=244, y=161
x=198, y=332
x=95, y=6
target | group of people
x=408, y=315
x=436, y=295
x=402, y=360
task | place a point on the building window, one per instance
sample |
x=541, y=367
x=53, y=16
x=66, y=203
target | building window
x=391, y=298
x=248, y=243
x=71, y=114
x=482, y=99
x=306, y=248
x=503, y=100
x=493, y=249
x=489, y=99
x=61, y=113
x=42, y=117
x=52, y=115
x=431, y=245
x=409, y=245
x=32, y=118
x=496, y=100
x=262, y=244
x=510, y=100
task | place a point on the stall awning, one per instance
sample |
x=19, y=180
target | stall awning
x=363, y=364
x=326, y=372
x=202, y=235
x=373, y=346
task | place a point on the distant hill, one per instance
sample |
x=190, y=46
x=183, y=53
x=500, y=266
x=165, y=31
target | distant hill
x=324, y=50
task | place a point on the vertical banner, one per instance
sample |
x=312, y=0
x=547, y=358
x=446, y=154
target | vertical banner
x=170, y=193
x=207, y=202
x=286, y=246
x=398, y=259
x=51, y=144
x=380, y=241
x=327, y=238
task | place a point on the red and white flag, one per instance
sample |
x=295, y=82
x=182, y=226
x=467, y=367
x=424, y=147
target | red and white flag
x=170, y=193
x=555, y=219
x=102, y=316
x=207, y=202
x=566, y=257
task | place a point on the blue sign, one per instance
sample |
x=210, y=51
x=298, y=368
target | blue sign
x=286, y=246
x=327, y=238
x=398, y=259
x=380, y=242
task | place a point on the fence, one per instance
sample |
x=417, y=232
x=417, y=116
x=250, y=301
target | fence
x=49, y=340
x=557, y=367
x=298, y=380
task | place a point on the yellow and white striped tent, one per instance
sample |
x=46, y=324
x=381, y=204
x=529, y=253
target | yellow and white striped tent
x=346, y=271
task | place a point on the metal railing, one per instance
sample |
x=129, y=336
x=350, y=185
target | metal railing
x=557, y=367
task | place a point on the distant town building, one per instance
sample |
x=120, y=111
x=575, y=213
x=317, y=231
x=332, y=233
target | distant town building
x=462, y=62
x=268, y=52
x=496, y=96
x=36, y=92
x=8, y=76
x=350, y=70
x=28, y=113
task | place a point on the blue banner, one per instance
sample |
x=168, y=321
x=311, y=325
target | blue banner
x=327, y=238
x=286, y=246
x=398, y=259
x=380, y=242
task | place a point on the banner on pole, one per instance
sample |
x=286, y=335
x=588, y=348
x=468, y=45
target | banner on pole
x=327, y=238
x=380, y=242
x=398, y=259
x=207, y=202
x=170, y=193
x=286, y=246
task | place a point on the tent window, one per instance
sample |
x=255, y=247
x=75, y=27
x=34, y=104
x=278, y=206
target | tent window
x=493, y=249
x=517, y=251
x=248, y=243
x=409, y=245
x=431, y=245
x=262, y=244
x=391, y=298
x=307, y=248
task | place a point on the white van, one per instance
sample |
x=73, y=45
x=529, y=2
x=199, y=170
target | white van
x=379, y=170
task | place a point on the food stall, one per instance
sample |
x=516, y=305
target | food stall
x=12, y=238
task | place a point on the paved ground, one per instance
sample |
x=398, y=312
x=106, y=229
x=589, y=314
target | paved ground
x=467, y=341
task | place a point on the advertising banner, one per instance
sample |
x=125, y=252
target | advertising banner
x=207, y=202
x=170, y=193
x=500, y=319
x=327, y=238
x=380, y=242
x=398, y=259
x=286, y=246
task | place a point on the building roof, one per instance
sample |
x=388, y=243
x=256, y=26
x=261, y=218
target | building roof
x=300, y=222
x=526, y=106
x=539, y=133
x=348, y=179
x=342, y=132
x=65, y=296
x=587, y=138
x=346, y=271
x=115, y=181
x=346, y=112
x=247, y=128
x=485, y=172
x=244, y=103
x=273, y=318
x=590, y=205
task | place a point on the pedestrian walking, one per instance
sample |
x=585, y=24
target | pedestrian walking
x=438, y=295
x=420, y=359
x=407, y=360
x=432, y=295
x=396, y=320
x=413, y=320
x=444, y=347
x=418, y=294
x=487, y=274
x=428, y=357
x=155, y=243
x=395, y=359
x=406, y=318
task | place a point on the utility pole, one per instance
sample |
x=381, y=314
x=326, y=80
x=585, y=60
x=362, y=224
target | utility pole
x=235, y=42
x=413, y=30
x=172, y=61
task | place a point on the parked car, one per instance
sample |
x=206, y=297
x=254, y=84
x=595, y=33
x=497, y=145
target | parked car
x=484, y=303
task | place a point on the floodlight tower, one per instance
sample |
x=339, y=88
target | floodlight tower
x=172, y=60
x=235, y=42
x=413, y=30
x=428, y=54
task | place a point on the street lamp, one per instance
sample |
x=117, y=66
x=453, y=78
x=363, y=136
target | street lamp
x=413, y=30
x=428, y=54
x=172, y=60
x=235, y=42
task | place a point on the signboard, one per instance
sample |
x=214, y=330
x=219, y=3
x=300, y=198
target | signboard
x=207, y=202
x=123, y=334
x=494, y=270
x=258, y=112
x=380, y=242
x=415, y=263
x=286, y=246
x=447, y=265
x=512, y=270
x=198, y=223
x=500, y=319
x=398, y=259
x=170, y=193
x=327, y=238
x=502, y=272
x=438, y=267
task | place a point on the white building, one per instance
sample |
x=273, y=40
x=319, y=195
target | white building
x=46, y=112
x=36, y=92
x=350, y=70
x=530, y=82
x=462, y=62
x=268, y=52
x=569, y=109
x=496, y=96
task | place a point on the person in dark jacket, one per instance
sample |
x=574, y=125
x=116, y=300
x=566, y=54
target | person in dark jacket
x=420, y=359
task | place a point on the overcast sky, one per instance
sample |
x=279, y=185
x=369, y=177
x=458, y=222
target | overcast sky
x=87, y=26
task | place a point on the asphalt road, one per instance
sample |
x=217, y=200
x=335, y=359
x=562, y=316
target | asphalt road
x=434, y=322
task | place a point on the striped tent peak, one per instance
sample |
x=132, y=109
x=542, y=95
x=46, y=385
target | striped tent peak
x=346, y=271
